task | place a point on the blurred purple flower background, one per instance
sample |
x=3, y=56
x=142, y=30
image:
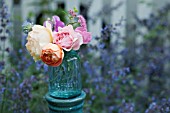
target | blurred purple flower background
x=118, y=74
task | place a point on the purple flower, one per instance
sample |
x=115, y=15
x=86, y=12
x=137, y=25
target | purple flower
x=82, y=22
x=83, y=30
x=2, y=90
x=72, y=13
x=57, y=23
x=2, y=64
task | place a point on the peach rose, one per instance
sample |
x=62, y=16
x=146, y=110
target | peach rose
x=67, y=38
x=52, y=54
x=37, y=38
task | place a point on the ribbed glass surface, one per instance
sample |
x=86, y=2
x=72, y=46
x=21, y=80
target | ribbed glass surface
x=65, y=80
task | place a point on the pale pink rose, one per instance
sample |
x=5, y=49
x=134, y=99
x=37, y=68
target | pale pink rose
x=37, y=38
x=52, y=54
x=83, y=30
x=67, y=38
x=86, y=35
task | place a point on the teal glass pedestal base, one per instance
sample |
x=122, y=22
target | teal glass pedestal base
x=70, y=105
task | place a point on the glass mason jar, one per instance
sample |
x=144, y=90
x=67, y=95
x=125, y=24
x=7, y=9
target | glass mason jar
x=65, y=80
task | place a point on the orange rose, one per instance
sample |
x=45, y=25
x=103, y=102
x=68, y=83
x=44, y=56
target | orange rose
x=52, y=54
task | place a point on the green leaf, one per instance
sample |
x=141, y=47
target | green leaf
x=75, y=9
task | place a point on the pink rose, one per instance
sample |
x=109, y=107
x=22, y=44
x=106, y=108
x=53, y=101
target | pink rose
x=83, y=30
x=67, y=38
x=52, y=54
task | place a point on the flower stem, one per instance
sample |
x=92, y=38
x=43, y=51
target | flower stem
x=3, y=47
x=3, y=102
x=3, y=51
x=4, y=96
x=72, y=23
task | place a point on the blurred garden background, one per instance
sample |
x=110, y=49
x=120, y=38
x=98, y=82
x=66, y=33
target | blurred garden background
x=125, y=68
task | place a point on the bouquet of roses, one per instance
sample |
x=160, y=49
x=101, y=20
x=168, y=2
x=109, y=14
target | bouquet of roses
x=49, y=42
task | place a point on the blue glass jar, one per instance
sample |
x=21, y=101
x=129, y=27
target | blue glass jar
x=65, y=80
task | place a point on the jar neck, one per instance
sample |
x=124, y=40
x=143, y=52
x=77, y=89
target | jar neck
x=71, y=53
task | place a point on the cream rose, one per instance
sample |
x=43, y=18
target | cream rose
x=52, y=54
x=37, y=39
